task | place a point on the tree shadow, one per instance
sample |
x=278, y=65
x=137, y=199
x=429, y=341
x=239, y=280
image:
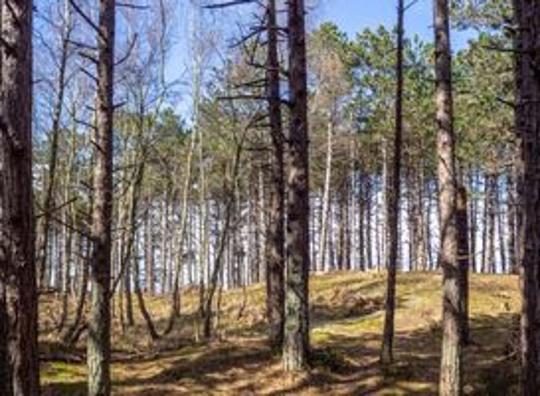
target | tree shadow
x=341, y=363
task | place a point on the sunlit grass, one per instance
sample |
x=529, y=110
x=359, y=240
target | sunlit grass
x=347, y=318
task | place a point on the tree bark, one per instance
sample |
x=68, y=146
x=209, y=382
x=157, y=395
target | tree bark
x=99, y=324
x=17, y=265
x=386, y=356
x=451, y=378
x=463, y=261
x=275, y=254
x=296, y=334
x=527, y=120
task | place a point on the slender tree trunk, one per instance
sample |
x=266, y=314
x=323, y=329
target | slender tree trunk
x=275, y=254
x=296, y=335
x=500, y=229
x=361, y=225
x=140, y=299
x=369, y=227
x=99, y=325
x=148, y=249
x=393, y=202
x=49, y=189
x=463, y=261
x=511, y=223
x=472, y=221
x=323, y=240
x=485, y=220
x=166, y=283
x=17, y=263
x=490, y=208
x=68, y=336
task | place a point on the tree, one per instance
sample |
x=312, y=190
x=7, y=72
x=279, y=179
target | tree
x=393, y=200
x=99, y=322
x=451, y=359
x=296, y=334
x=17, y=265
x=275, y=287
x=527, y=84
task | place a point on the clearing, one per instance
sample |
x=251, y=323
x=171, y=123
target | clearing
x=346, y=321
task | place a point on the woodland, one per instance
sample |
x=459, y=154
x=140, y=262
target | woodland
x=273, y=207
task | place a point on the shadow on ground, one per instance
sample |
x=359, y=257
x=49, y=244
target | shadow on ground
x=341, y=365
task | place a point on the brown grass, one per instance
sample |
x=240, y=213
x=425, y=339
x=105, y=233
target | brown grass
x=346, y=326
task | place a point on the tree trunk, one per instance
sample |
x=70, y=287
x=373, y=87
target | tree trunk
x=16, y=207
x=500, y=229
x=275, y=254
x=361, y=224
x=369, y=228
x=491, y=181
x=451, y=378
x=463, y=260
x=148, y=249
x=511, y=222
x=99, y=326
x=323, y=239
x=140, y=299
x=296, y=336
x=393, y=201
x=68, y=336
x=49, y=188
x=527, y=119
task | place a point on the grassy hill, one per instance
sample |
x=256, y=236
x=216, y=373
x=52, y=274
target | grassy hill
x=346, y=325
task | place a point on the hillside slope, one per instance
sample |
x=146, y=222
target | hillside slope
x=346, y=326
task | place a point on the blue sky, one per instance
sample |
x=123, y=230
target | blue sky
x=355, y=15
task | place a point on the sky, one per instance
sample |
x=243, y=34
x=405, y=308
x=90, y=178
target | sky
x=353, y=16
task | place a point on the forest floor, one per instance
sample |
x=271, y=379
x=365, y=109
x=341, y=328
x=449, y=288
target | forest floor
x=347, y=317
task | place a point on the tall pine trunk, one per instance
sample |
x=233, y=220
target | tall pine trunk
x=275, y=253
x=17, y=265
x=99, y=322
x=296, y=334
x=393, y=201
x=451, y=376
x=527, y=83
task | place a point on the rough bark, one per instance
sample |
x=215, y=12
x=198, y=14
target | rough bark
x=275, y=254
x=393, y=201
x=527, y=120
x=451, y=381
x=17, y=264
x=296, y=337
x=99, y=323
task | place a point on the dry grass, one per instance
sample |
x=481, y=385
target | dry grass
x=346, y=326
